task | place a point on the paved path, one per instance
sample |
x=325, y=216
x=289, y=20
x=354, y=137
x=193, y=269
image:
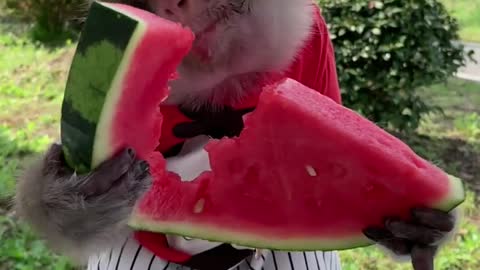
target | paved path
x=472, y=70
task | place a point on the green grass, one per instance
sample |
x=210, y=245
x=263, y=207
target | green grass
x=21, y=250
x=467, y=12
x=31, y=82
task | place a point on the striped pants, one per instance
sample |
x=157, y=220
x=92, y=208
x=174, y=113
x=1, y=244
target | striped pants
x=132, y=256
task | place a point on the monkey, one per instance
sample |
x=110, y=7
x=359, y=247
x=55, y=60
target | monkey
x=240, y=46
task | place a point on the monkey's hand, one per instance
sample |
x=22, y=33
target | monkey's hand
x=420, y=238
x=216, y=124
x=80, y=215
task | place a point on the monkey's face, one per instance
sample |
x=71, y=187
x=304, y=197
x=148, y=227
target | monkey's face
x=225, y=28
x=200, y=15
x=236, y=37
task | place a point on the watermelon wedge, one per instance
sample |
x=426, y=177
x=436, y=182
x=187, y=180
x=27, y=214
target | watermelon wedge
x=305, y=174
x=116, y=83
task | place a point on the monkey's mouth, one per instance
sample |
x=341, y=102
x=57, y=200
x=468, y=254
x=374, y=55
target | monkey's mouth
x=204, y=37
x=202, y=47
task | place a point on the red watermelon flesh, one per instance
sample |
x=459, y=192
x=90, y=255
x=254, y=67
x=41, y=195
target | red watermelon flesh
x=153, y=64
x=117, y=80
x=305, y=174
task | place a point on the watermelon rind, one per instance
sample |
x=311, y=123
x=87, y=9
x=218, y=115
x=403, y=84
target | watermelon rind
x=94, y=84
x=456, y=195
x=102, y=150
x=210, y=232
x=223, y=235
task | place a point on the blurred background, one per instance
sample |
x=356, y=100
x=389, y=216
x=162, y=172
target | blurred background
x=408, y=65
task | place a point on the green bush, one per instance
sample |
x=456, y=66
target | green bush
x=53, y=20
x=385, y=50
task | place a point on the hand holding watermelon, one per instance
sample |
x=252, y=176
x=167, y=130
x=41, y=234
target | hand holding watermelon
x=418, y=238
x=252, y=175
x=87, y=211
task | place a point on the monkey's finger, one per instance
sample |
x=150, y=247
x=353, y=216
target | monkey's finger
x=101, y=179
x=53, y=159
x=385, y=238
x=423, y=257
x=398, y=246
x=433, y=218
x=128, y=189
x=141, y=170
x=378, y=234
x=54, y=152
x=415, y=233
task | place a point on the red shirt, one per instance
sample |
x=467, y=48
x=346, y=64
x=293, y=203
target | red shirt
x=314, y=67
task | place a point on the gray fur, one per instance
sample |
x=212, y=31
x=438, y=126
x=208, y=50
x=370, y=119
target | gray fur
x=78, y=215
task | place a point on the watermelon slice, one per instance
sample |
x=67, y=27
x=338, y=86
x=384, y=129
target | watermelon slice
x=117, y=80
x=305, y=174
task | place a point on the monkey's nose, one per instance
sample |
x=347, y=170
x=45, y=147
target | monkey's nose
x=176, y=8
x=181, y=3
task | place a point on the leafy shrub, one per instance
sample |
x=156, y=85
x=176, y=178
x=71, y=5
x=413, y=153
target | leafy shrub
x=53, y=19
x=385, y=50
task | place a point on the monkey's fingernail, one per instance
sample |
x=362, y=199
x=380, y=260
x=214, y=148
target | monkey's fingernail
x=144, y=166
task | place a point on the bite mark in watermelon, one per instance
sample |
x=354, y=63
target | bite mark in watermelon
x=305, y=174
x=117, y=80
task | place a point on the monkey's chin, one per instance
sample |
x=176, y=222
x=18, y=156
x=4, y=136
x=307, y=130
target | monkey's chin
x=231, y=91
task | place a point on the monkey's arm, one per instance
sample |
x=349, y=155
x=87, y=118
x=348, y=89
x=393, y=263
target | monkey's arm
x=80, y=215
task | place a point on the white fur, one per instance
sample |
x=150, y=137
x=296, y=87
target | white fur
x=243, y=47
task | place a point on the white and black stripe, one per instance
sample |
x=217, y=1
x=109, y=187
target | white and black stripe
x=132, y=256
x=120, y=255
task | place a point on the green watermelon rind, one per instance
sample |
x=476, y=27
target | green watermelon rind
x=144, y=222
x=99, y=122
x=455, y=197
x=217, y=234
x=102, y=150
